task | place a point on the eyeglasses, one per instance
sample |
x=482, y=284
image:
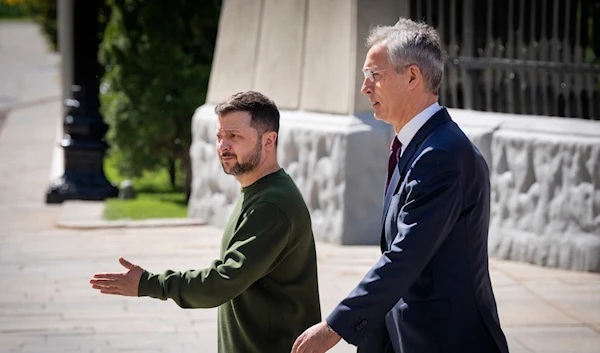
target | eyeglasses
x=370, y=74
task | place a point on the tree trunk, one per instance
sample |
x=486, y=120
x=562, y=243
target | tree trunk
x=186, y=163
x=172, y=172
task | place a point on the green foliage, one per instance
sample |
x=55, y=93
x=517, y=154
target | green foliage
x=44, y=13
x=156, y=198
x=152, y=182
x=157, y=58
x=144, y=206
x=13, y=9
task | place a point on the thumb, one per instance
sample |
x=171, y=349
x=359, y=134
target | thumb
x=128, y=265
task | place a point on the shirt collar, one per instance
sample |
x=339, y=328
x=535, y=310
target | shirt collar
x=411, y=128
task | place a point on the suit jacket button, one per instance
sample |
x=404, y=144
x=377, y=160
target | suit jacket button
x=364, y=322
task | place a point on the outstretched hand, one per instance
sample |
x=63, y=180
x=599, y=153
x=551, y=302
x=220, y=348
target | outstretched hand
x=119, y=283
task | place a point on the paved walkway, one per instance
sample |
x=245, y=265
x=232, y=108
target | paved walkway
x=46, y=304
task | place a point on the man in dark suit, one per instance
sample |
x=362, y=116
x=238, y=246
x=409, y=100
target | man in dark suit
x=430, y=291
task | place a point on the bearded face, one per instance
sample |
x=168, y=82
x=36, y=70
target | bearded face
x=243, y=164
x=239, y=145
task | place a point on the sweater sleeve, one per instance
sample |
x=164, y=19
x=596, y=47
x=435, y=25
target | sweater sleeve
x=256, y=248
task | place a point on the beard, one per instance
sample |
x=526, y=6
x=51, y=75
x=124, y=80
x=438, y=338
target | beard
x=252, y=160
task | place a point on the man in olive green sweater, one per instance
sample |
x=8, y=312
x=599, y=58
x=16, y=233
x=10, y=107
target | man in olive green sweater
x=265, y=281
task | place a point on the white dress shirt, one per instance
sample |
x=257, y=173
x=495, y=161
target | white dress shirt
x=409, y=130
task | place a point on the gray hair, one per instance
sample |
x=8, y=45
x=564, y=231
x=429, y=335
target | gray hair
x=408, y=43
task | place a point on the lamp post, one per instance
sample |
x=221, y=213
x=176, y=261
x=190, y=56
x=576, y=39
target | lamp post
x=84, y=129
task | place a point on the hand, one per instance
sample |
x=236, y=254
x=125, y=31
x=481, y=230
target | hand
x=316, y=339
x=120, y=283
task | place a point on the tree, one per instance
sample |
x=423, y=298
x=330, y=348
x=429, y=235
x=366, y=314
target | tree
x=157, y=58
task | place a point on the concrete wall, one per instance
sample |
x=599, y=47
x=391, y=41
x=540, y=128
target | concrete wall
x=307, y=56
x=304, y=54
x=545, y=175
x=338, y=162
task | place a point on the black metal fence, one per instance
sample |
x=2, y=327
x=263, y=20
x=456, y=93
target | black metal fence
x=538, y=57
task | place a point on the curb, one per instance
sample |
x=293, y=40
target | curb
x=76, y=214
x=146, y=223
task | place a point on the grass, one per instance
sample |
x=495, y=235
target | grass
x=155, y=197
x=12, y=11
x=147, y=205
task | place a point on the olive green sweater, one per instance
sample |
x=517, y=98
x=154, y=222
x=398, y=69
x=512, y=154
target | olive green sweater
x=265, y=282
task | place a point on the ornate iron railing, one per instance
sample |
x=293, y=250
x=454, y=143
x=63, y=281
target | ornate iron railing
x=538, y=57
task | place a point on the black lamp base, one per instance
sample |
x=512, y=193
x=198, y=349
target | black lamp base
x=90, y=186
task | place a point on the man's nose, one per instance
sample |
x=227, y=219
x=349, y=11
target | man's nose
x=222, y=146
x=367, y=86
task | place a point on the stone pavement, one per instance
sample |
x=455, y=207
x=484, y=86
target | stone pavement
x=47, y=305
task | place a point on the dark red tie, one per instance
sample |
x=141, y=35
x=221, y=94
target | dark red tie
x=393, y=161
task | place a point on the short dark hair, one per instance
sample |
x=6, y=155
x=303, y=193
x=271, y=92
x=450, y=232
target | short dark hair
x=263, y=111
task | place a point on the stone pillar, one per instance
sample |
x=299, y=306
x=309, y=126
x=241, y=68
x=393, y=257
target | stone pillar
x=307, y=56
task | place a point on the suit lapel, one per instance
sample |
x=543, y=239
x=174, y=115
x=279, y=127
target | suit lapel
x=437, y=119
x=389, y=193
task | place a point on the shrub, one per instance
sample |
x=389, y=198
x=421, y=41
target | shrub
x=13, y=9
x=157, y=58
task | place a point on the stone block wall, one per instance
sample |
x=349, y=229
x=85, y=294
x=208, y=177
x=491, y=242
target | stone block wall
x=337, y=162
x=545, y=177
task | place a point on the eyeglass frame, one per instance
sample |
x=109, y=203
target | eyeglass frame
x=370, y=74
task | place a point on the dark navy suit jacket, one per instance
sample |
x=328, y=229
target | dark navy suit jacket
x=430, y=291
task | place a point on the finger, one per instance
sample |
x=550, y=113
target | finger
x=105, y=287
x=109, y=275
x=102, y=281
x=111, y=291
x=296, y=346
x=128, y=265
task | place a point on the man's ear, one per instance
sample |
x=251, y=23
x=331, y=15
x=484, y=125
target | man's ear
x=414, y=75
x=269, y=139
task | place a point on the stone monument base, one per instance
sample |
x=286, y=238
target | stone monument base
x=337, y=161
x=545, y=194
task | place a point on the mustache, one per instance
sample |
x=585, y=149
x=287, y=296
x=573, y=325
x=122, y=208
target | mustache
x=227, y=154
